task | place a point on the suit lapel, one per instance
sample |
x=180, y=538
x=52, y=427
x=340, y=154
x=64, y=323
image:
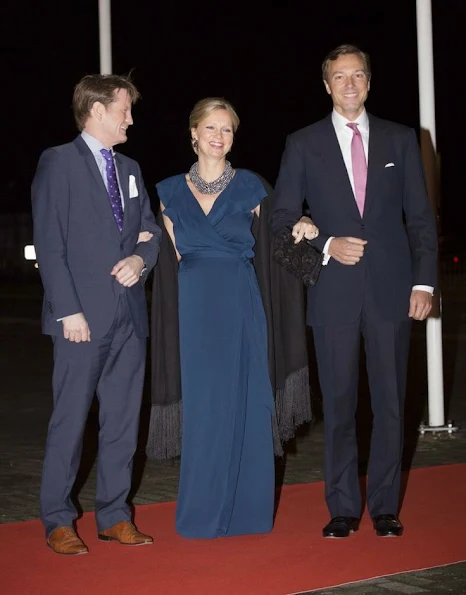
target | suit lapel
x=123, y=177
x=101, y=201
x=377, y=159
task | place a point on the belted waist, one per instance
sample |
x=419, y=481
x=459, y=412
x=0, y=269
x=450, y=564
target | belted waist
x=215, y=254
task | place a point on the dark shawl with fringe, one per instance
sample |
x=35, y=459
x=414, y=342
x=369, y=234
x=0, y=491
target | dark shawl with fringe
x=283, y=297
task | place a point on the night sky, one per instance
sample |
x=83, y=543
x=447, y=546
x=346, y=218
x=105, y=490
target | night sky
x=267, y=63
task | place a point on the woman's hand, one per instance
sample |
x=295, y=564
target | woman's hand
x=144, y=236
x=305, y=228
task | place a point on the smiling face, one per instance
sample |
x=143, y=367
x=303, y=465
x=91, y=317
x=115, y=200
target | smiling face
x=348, y=84
x=111, y=122
x=214, y=134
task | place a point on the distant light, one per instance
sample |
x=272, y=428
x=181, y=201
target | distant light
x=29, y=253
x=456, y=259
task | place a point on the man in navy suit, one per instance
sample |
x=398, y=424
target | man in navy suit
x=363, y=182
x=89, y=207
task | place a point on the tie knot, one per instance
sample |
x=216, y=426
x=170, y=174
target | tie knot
x=107, y=154
x=354, y=127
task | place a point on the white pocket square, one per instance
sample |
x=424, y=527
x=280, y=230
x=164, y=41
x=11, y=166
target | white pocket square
x=390, y=165
x=133, y=189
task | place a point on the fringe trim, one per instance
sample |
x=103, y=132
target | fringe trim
x=292, y=408
x=164, y=439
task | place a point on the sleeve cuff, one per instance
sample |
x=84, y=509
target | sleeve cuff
x=427, y=288
x=327, y=256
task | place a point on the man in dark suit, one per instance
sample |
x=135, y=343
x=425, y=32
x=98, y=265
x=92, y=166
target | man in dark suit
x=363, y=182
x=89, y=206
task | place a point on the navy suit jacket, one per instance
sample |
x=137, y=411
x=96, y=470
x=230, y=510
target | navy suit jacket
x=398, y=220
x=77, y=241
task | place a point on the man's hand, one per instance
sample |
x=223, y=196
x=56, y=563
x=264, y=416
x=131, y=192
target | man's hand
x=75, y=328
x=128, y=271
x=144, y=236
x=305, y=228
x=347, y=250
x=420, y=304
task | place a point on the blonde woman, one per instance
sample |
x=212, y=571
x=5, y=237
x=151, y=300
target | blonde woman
x=227, y=476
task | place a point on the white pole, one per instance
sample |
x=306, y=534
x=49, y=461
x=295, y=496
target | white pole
x=429, y=148
x=105, y=36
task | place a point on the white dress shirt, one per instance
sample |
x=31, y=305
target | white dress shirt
x=345, y=136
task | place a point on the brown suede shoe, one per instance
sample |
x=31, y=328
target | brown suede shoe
x=126, y=534
x=64, y=541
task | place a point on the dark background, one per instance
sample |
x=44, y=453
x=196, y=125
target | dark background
x=266, y=60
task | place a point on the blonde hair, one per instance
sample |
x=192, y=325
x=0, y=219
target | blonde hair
x=204, y=107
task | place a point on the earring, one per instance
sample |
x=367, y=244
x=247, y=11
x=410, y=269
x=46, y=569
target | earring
x=194, y=143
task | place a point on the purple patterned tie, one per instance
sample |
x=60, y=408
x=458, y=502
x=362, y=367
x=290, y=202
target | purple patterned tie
x=113, y=188
x=358, y=159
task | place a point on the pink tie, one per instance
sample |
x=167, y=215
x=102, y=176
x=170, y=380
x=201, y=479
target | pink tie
x=358, y=159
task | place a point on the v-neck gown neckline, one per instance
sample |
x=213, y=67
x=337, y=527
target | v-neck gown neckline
x=215, y=201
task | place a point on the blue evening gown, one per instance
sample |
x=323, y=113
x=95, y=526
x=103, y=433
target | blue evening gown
x=227, y=461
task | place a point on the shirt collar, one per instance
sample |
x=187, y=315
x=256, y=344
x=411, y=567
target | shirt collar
x=340, y=122
x=94, y=145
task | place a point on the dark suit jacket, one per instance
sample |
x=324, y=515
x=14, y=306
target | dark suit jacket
x=398, y=220
x=77, y=241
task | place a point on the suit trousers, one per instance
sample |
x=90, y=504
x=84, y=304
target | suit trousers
x=113, y=368
x=338, y=352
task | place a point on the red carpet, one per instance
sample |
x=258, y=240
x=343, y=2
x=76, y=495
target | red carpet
x=294, y=557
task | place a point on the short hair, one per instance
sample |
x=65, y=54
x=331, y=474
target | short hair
x=102, y=88
x=343, y=50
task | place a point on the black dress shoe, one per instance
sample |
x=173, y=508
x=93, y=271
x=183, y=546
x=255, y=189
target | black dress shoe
x=387, y=525
x=341, y=526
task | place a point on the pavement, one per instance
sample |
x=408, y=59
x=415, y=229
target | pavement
x=25, y=406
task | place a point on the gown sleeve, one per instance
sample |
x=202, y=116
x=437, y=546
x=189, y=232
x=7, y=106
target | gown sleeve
x=165, y=190
x=254, y=191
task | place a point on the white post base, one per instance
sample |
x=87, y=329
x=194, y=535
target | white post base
x=449, y=428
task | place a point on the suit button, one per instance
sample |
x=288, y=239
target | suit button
x=121, y=247
x=363, y=226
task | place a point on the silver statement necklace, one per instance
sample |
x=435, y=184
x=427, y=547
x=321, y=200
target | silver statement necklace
x=214, y=187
